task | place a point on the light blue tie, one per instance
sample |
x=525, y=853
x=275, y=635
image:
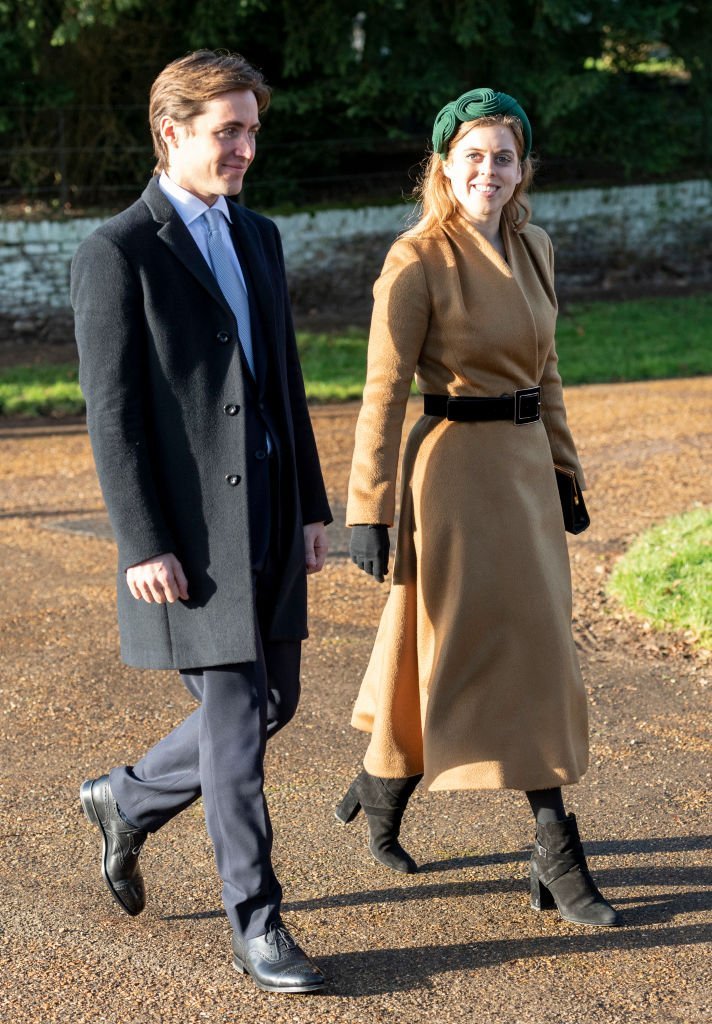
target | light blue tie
x=230, y=282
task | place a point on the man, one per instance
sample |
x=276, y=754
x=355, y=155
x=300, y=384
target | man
x=206, y=457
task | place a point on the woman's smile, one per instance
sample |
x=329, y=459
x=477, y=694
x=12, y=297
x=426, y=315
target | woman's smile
x=490, y=153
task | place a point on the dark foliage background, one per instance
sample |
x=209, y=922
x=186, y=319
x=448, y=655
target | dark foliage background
x=617, y=90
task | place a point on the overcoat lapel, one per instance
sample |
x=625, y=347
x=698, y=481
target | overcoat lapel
x=176, y=236
x=250, y=249
x=249, y=245
x=533, y=278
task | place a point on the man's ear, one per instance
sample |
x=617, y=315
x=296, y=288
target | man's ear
x=170, y=132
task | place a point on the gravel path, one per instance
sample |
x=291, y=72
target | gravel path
x=457, y=941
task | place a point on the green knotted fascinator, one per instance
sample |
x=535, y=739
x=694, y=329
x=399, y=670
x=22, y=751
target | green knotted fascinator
x=471, y=105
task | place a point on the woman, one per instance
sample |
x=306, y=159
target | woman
x=473, y=682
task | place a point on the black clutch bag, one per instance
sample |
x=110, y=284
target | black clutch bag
x=573, y=507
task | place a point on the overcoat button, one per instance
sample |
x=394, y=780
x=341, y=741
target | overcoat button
x=233, y=479
x=232, y=410
x=260, y=454
x=223, y=337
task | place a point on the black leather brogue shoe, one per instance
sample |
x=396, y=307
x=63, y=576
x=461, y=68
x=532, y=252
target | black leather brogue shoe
x=275, y=962
x=120, y=848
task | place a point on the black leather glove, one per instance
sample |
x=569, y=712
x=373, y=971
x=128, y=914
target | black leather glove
x=370, y=545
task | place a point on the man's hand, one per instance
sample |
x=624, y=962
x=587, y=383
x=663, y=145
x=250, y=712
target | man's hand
x=315, y=547
x=158, y=580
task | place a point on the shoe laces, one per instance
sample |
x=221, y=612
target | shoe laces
x=135, y=839
x=277, y=931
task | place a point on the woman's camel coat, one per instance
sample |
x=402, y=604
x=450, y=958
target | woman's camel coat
x=474, y=678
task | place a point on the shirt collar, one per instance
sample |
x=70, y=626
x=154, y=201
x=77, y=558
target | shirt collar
x=187, y=205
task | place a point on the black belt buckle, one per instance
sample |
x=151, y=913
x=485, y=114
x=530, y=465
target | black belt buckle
x=527, y=405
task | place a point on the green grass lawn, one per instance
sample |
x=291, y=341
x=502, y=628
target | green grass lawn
x=334, y=365
x=666, y=575
x=644, y=339
x=41, y=390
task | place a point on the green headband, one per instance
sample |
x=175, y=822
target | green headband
x=472, y=105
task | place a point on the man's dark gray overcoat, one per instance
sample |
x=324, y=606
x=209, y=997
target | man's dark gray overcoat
x=161, y=371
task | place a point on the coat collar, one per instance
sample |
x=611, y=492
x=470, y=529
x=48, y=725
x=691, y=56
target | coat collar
x=249, y=245
x=176, y=236
x=260, y=267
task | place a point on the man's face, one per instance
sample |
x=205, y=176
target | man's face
x=209, y=156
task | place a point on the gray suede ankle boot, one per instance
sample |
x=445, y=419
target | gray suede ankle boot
x=384, y=802
x=560, y=877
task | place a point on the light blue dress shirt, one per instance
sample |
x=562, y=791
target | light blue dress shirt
x=190, y=209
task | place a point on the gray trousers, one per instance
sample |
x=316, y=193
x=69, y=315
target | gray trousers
x=218, y=751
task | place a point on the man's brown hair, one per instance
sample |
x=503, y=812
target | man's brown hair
x=185, y=85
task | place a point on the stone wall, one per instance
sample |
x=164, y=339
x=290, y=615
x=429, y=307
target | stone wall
x=603, y=237
x=641, y=236
x=643, y=233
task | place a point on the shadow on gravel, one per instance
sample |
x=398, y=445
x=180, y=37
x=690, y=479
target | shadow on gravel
x=669, y=904
x=44, y=513
x=643, y=909
x=661, y=908
x=21, y=429
x=478, y=861
x=640, y=909
x=380, y=971
x=670, y=844
x=594, y=848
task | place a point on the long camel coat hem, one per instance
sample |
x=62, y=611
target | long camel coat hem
x=474, y=677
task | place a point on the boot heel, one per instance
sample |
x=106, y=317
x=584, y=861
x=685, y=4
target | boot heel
x=349, y=807
x=87, y=802
x=541, y=898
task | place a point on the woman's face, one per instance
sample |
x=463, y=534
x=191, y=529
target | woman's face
x=484, y=169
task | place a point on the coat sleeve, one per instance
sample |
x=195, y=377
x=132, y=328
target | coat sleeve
x=110, y=331
x=314, y=504
x=399, y=325
x=553, y=410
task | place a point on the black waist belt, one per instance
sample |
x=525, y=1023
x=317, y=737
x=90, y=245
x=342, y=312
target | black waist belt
x=521, y=407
